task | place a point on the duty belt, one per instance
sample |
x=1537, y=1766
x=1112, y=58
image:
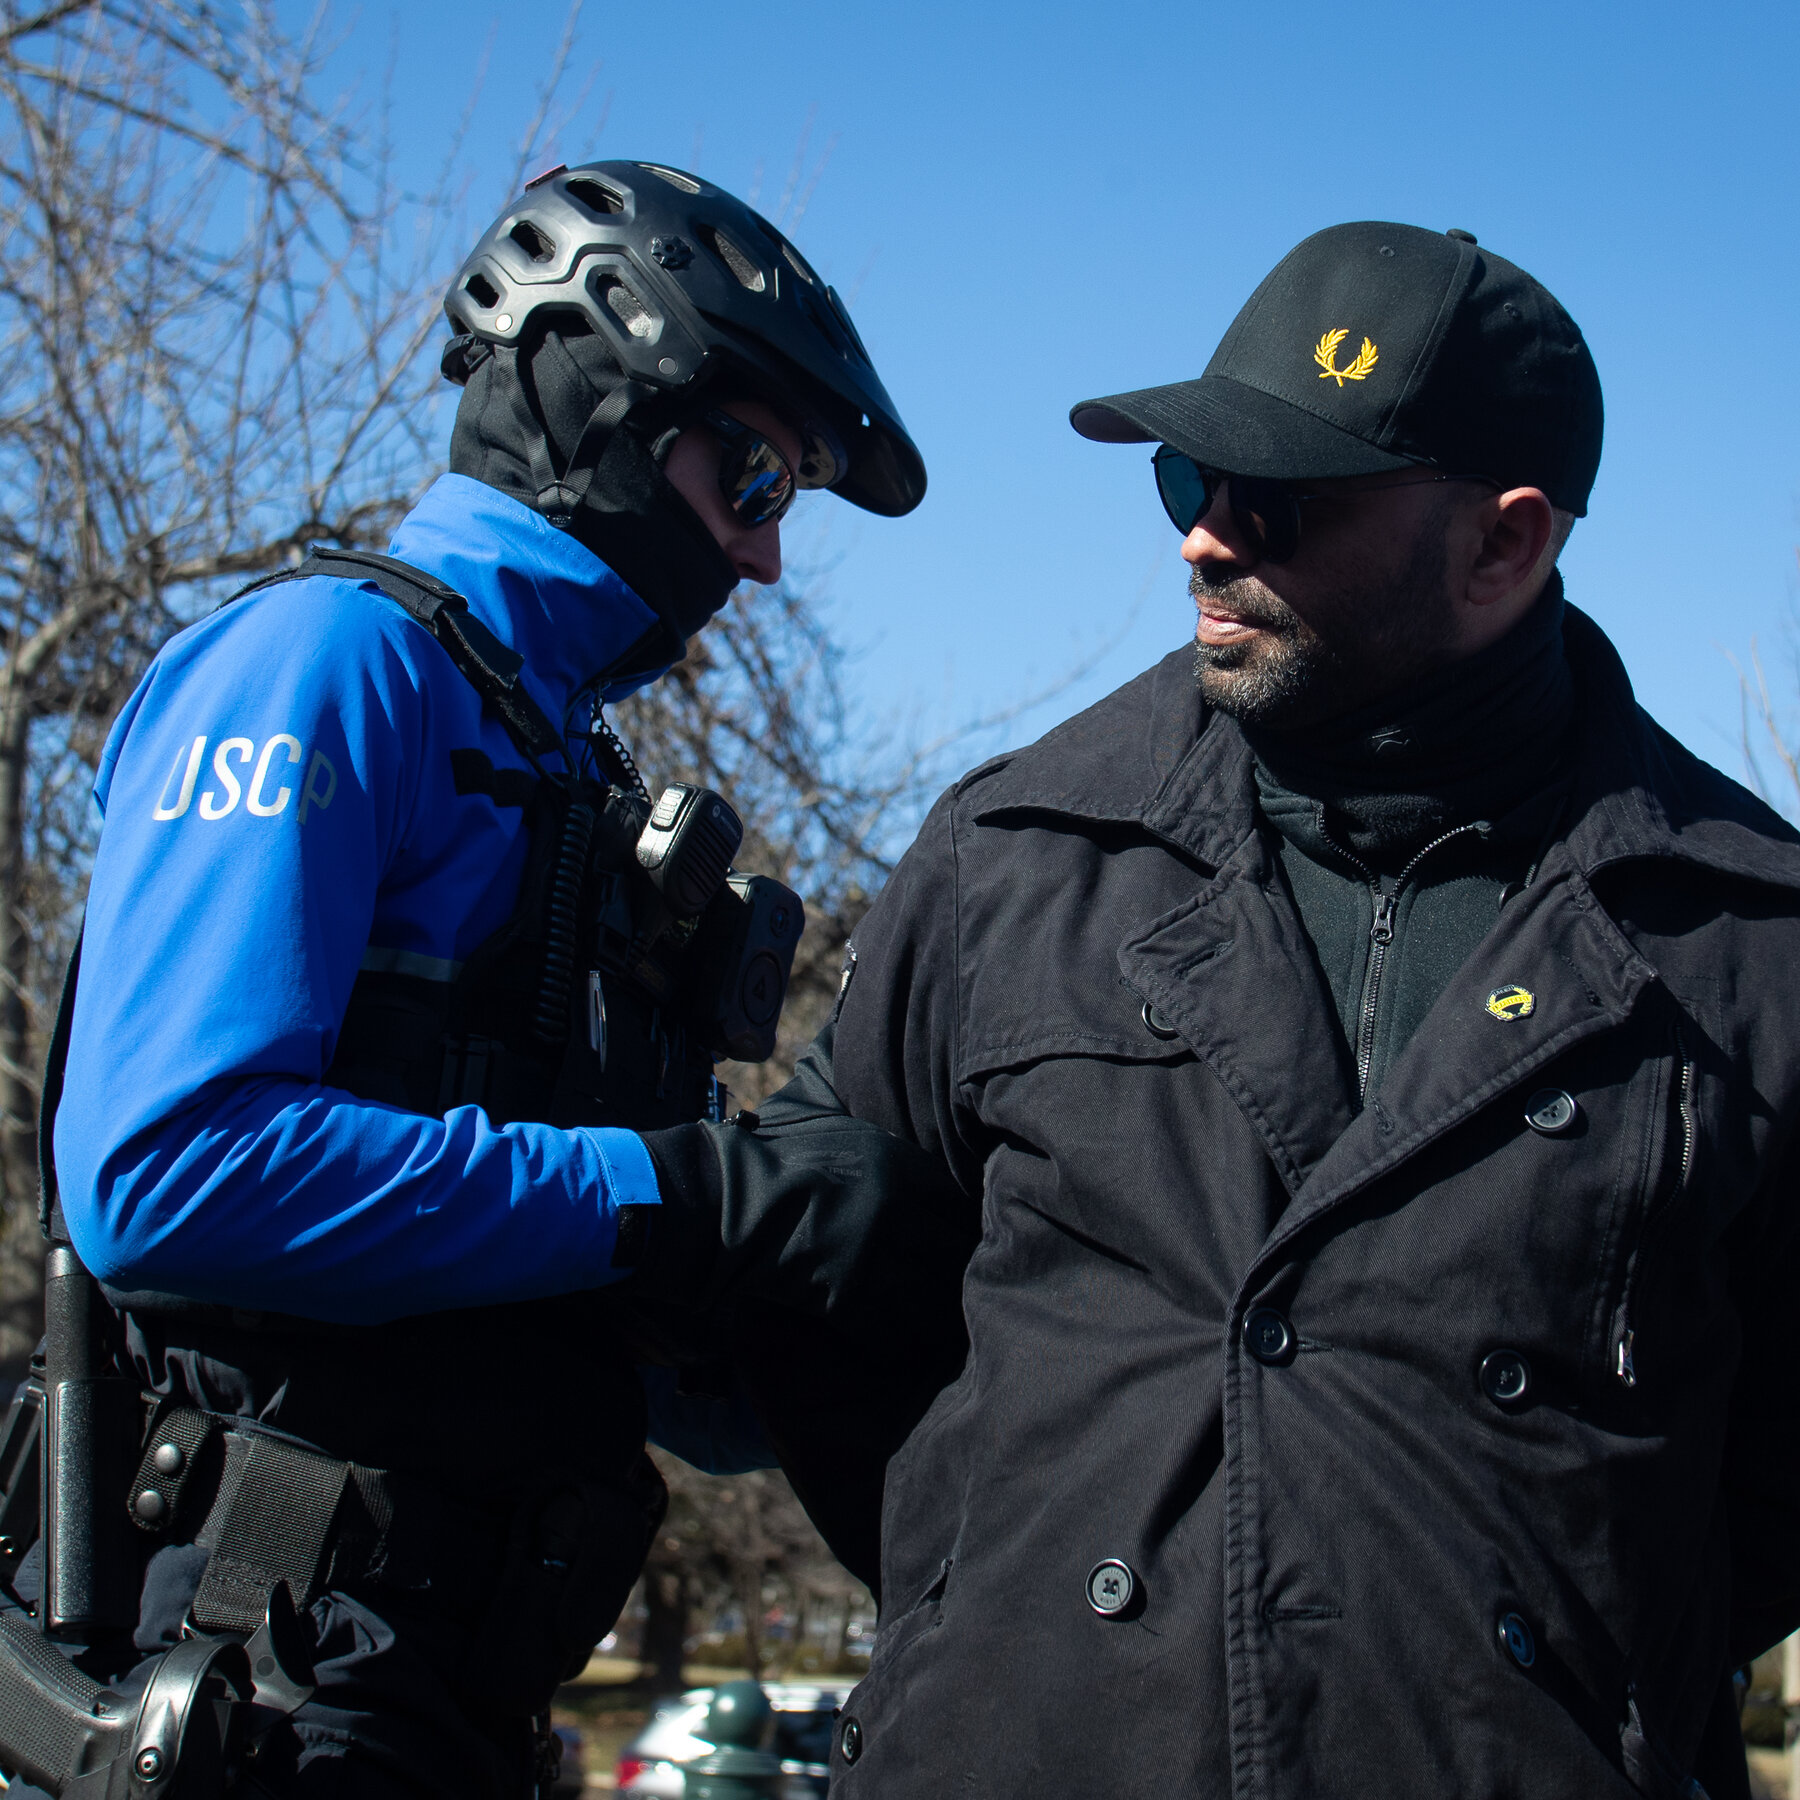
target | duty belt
x=269, y=1510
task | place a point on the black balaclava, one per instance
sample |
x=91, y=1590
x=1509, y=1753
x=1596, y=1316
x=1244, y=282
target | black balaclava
x=1472, y=740
x=629, y=515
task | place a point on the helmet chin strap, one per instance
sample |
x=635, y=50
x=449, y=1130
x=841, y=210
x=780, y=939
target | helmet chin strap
x=559, y=496
x=609, y=494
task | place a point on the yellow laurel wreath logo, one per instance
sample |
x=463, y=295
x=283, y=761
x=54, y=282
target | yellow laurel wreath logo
x=1357, y=370
x=1512, y=1002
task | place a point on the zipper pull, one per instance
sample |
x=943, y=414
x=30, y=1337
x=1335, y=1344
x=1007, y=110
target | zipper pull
x=1685, y=1107
x=1624, y=1368
x=1382, y=931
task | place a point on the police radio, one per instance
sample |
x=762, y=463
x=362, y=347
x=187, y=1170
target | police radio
x=687, y=846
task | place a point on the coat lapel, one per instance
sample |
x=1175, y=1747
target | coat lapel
x=1583, y=977
x=1233, y=972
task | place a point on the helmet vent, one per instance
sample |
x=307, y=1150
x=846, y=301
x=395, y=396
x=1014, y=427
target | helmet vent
x=673, y=177
x=843, y=318
x=824, y=321
x=747, y=273
x=535, y=242
x=481, y=291
x=630, y=311
x=799, y=263
x=597, y=198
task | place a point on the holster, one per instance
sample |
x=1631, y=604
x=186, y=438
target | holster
x=573, y=1553
x=65, y=1733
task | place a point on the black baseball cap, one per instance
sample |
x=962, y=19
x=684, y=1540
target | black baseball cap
x=1374, y=347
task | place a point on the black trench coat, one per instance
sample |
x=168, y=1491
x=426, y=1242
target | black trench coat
x=1444, y=1454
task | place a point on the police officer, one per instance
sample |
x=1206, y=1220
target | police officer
x=1369, y=1048
x=373, y=991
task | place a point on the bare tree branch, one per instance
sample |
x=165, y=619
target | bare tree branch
x=214, y=343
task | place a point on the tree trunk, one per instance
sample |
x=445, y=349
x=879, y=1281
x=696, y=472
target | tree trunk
x=21, y=1294
x=18, y=1090
x=665, y=1628
x=749, y=1586
x=800, y=1626
x=21, y=1245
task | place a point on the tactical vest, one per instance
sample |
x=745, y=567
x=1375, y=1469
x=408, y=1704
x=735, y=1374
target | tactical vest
x=567, y=1014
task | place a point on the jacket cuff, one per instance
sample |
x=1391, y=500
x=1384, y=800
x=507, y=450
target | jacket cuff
x=629, y=1195
x=682, y=1244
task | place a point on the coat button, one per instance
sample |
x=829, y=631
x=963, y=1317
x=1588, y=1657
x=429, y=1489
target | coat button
x=1516, y=1636
x=1551, y=1111
x=1268, y=1336
x=1157, y=1025
x=1110, y=1585
x=850, y=1740
x=1505, y=1377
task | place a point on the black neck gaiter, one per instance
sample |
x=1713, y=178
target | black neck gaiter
x=1470, y=741
x=630, y=517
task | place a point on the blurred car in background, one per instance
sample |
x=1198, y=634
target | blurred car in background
x=650, y=1763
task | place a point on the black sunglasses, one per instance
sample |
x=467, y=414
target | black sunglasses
x=755, y=478
x=1265, y=512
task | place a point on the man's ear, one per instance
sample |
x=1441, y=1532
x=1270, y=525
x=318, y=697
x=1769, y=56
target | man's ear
x=1516, y=548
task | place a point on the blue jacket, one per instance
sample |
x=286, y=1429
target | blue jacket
x=280, y=812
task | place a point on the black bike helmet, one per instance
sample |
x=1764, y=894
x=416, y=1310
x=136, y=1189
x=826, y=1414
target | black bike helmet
x=684, y=283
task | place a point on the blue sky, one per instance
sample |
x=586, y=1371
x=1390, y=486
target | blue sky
x=1035, y=204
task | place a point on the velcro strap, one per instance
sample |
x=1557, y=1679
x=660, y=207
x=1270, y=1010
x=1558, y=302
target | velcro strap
x=272, y=1522
x=474, y=773
x=178, y=1444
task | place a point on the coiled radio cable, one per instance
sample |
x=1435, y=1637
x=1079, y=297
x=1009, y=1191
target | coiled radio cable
x=552, y=1020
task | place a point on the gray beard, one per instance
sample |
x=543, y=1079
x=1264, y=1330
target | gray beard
x=1386, y=630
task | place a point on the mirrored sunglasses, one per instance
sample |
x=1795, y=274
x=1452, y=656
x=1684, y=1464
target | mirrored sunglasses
x=1265, y=512
x=755, y=478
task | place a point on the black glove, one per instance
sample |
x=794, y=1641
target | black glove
x=822, y=1259
x=808, y=1209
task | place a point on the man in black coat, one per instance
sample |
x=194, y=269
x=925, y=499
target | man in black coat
x=1367, y=1046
